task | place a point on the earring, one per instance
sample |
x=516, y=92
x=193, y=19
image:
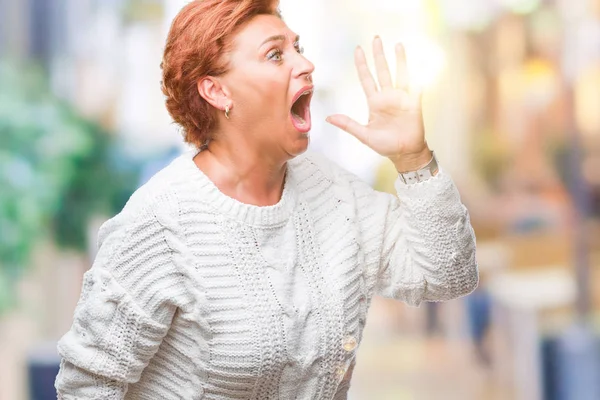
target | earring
x=227, y=111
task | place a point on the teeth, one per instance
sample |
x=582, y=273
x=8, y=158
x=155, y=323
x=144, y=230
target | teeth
x=299, y=118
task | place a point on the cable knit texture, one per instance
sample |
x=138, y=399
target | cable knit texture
x=194, y=295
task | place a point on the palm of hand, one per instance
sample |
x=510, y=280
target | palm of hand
x=395, y=128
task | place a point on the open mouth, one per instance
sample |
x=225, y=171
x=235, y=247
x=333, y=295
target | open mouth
x=300, y=111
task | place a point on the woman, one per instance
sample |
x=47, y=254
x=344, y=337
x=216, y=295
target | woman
x=243, y=270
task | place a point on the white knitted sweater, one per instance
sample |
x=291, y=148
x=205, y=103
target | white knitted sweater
x=194, y=295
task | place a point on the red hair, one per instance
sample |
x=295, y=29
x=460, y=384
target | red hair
x=200, y=34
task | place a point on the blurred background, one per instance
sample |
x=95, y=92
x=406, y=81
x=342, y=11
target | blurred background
x=512, y=109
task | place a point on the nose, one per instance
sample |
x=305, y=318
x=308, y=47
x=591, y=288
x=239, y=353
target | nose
x=305, y=68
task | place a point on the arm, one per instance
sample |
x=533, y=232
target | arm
x=417, y=245
x=428, y=244
x=122, y=316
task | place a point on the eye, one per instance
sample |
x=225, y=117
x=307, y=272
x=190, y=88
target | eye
x=298, y=48
x=275, y=55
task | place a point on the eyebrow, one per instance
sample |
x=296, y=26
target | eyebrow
x=278, y=37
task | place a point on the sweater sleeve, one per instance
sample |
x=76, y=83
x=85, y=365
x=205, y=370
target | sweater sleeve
x=427, y=249
x=123, y=311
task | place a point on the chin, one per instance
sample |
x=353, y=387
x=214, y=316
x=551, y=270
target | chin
x=298, y=147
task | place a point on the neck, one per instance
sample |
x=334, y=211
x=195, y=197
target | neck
x=243, y=172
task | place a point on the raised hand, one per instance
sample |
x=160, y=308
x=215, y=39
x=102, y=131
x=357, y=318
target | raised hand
x=395, y=128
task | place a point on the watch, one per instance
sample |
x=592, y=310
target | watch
x=422, y=174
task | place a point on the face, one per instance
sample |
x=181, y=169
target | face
x=270, y=85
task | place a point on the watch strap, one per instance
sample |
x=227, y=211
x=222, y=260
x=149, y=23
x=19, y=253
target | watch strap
x=422, y=174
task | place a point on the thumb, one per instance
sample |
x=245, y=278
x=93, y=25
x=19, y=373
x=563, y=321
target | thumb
x=349, y=125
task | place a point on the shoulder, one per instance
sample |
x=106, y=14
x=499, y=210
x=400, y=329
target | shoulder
x=154, y=202
x=316, y=165
x=318, y=177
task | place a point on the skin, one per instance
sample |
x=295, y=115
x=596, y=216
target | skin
x=246, y=159
x=395, y=128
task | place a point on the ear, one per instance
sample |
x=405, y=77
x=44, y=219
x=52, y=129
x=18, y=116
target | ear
x=211, y=90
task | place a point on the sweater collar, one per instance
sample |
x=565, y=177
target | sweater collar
x=276, y=214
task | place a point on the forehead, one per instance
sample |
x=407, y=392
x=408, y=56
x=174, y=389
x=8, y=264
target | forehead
x=260, y=28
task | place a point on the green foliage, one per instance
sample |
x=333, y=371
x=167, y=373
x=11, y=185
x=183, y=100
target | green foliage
x=56, y=171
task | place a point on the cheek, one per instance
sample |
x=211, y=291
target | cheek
x=270, y=87
x=263, y=92
x=273, y=91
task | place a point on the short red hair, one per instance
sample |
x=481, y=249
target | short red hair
x=199, y=35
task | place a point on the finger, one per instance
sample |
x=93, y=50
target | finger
x=381, y=65
x=349, y=125
x=402, y=78
x=366, y=79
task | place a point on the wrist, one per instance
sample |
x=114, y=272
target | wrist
x=413, y=161
x=422, y=173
